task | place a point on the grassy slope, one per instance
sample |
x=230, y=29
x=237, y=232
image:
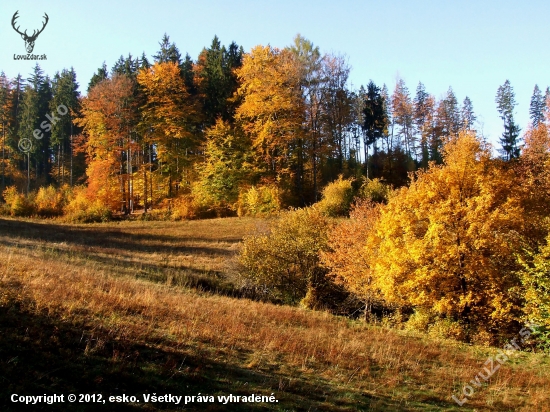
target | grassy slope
x=108, y=309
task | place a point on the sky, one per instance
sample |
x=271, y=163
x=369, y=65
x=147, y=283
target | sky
x=471, y=46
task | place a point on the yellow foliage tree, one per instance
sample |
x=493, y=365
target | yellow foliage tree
x=448, y=243
x=272, y=108
x=169, y=116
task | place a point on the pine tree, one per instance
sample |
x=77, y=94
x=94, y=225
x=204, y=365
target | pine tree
x=101, y=74
x=506, y=102
x=537, y=107
x=450, y=115
x=375, y=121
x=65, y=100
x=422, y=111
x=168, y=52
x=467, y=115
x=6, y=121
x=217, y=81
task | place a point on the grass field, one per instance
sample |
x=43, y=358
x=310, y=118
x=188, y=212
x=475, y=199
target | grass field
x=150, y=307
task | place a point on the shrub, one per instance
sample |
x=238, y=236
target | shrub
x=80, y=209
x=50, y=201
x=184, y=207
x=447, y=329
x=374, y=190
x=419, y=321
x=337, y=198
x=259, y=201
x=17, y=204
x=285, y=261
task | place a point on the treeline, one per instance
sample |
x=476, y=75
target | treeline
x=229, y=132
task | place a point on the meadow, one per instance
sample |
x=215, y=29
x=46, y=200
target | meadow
x=135, y=307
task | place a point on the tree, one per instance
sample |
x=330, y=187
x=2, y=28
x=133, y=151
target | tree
x=6, y=121
x=336, y=112
x=34, y=107
x=272, y=109
x=448, y=243
x=216, y=80
x=449, y=114
x=105, y=115
x=169, y=115
x=468, y=117
x=506, y=102
x=168, y=53
x=66, y=99
x=375, y=122
x=537, y=107
x=313, y=145
x=403, y=113
x=422, y=112
x=101, y=74
x=228, y=166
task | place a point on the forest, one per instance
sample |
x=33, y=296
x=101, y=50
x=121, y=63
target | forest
x=397, y=205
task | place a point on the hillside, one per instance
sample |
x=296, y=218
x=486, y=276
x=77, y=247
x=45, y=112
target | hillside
x=148, y=307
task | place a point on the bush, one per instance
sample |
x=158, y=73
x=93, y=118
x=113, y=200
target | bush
x=50, y=201
x=285, y=261
x=419, y=321
x=80, y=209
x=17, y=204
x=184, y=207
x=374, y=190
x=259, y=201
x=337, y=198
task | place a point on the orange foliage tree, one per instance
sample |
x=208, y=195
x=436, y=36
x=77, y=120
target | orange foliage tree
x=107, y=112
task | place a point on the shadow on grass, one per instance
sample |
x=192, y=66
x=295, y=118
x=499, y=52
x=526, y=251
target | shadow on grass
x=40, y=355
x=96, y=236
x=100, y=245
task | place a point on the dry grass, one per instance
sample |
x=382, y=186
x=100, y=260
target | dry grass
x=180, y=340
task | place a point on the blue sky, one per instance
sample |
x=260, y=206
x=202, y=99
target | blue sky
x=473, y=46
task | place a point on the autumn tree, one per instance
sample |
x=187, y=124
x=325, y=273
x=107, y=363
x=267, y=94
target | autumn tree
x=168, y=114
x=336, y=110
x=403, y=112
x=312, y=146
x=347, y=258
x=227, y=168
x=448, y=243
x=105, y=115
x=272, y=111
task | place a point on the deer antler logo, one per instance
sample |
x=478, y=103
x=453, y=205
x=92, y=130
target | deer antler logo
x=29, y=40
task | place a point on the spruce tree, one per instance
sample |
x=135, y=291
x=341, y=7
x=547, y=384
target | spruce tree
x=168, y=52
x=537, y=107
x=506, y=102
x=468, y=117
x=375, y=121
x=101, y=74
